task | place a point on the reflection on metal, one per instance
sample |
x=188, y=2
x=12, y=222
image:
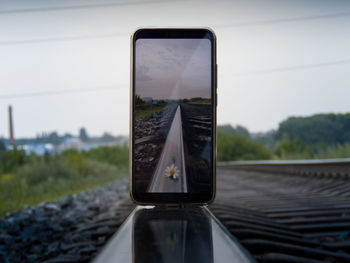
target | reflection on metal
x=172, y=235
x=288, y=162
x=327, y=167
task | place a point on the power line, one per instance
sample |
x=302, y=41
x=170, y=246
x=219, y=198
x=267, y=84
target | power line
x=77, y=7
x=62, y=39
x=256, y=72
x=293, y=68
x=59, y=92
x=286, y=20
x=122, y=34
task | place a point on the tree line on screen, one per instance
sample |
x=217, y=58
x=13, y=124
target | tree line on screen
x=142, y=101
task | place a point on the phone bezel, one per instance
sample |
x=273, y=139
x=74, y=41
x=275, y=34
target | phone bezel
x=146, y=198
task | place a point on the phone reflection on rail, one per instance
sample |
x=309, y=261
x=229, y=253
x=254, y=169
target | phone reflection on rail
x=178, y=235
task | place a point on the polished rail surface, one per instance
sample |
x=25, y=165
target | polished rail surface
x=287, y=211
x=279, y=211
x=153, y=234
x=322, y=168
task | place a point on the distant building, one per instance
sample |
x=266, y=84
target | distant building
x=39, y=149
x=69, y=143
x=77, y=144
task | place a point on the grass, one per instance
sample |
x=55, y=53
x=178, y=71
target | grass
x=144, y=110
x=200, y=101
x=56, y=177
x=234, y=148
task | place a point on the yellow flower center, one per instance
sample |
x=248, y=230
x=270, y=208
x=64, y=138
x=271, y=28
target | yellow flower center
x=171, y=171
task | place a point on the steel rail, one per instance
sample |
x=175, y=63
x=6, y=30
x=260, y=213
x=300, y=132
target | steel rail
x=287, y=211
x=152, y=234
x=320, y=168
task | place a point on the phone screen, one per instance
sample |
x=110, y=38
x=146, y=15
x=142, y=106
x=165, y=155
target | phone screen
x=173, y=114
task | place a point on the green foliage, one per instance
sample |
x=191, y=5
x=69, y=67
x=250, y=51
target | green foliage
x=266, y=138
x=318, y=136
x=117, y=155
x=29, y=180
x=287, y=149
x=197, y=100
x=144, y=110
x=233, y=147
x=36, y=182
x=238, y=130
x=327, y=129
x=138, y=100
x=337, y=151
x=74, y=159
x=11, y=159
x=2, y=147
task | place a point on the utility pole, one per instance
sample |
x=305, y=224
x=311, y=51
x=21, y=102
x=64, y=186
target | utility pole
x=12, y=138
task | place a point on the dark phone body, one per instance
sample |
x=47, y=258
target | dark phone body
x=173, y=116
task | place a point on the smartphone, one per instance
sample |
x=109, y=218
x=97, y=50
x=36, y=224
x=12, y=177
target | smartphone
x=169, y=235
x=173, y=116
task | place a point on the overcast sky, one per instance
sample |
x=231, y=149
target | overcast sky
x=276, y=59
x=173, y=68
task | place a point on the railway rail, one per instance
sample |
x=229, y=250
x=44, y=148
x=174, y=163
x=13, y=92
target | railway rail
x=295, y=211
x=291, y=211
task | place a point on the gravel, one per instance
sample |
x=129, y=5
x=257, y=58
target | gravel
x=150, y=134
x=72, y=229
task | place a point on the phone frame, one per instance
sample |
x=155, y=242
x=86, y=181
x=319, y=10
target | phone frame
x=147, y=198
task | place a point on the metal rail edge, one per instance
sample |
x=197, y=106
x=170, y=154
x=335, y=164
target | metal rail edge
x=191, y=234
x=321, y=168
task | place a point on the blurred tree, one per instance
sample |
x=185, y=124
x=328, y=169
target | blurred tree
x=268, y=139
x=107, y=137
x=326, y=129
x=2, y=147
x=67, y=135
x=83, y=134
x=11, y=159
x=53, y=138
x=287, y=149
x=138, y=100
x=115, y=155
x=234, y=147
x=238, y=130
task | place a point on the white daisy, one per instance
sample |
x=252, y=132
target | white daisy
x=172, y=171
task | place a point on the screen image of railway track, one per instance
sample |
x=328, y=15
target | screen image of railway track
x=173, y=148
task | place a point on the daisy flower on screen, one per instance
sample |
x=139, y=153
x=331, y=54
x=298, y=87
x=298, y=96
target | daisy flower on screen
x=172, y=171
